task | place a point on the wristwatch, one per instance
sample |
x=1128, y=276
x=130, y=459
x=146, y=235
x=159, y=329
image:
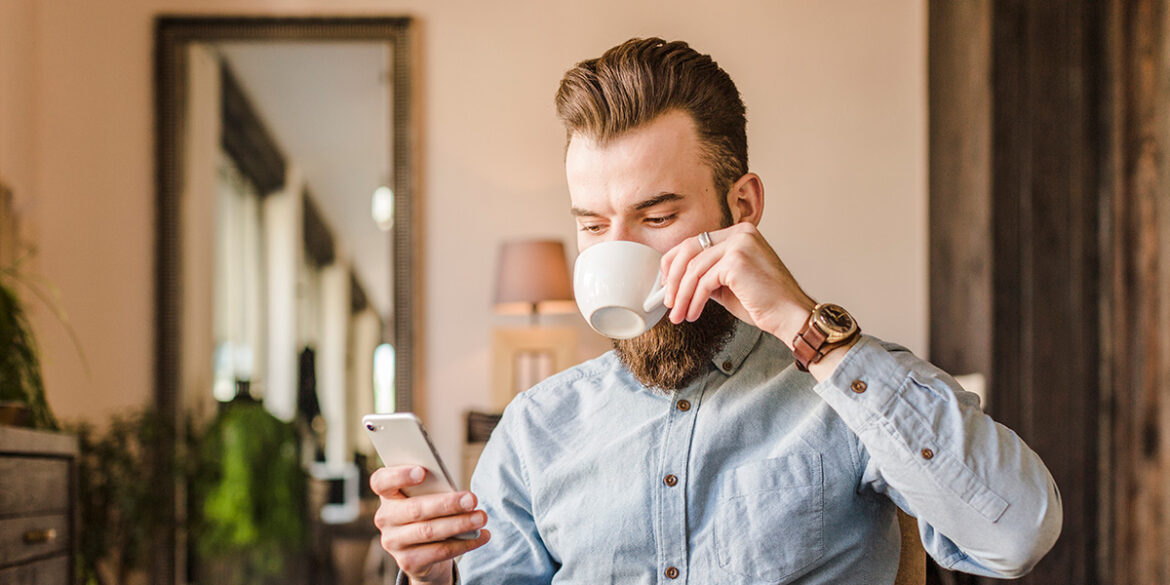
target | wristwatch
x=828, y=327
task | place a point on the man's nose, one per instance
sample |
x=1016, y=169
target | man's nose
x=620, y=232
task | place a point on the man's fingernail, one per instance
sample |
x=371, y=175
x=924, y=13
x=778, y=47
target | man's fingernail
x=417, y=474
x=467, y=502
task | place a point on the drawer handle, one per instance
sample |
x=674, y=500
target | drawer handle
x=40, y=536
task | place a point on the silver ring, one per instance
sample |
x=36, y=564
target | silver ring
x=704, y=240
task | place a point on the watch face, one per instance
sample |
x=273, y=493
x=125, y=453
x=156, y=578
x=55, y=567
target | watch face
x=835, y=321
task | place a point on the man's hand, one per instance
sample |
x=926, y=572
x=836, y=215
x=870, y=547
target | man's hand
x=742, y=273
x=419, y=532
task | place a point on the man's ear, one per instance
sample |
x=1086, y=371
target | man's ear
x=745, y=199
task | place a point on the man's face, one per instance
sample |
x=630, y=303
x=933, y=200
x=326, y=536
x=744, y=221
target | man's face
x=649, y=185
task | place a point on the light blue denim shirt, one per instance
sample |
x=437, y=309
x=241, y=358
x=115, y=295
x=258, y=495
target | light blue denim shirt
x=755, y=474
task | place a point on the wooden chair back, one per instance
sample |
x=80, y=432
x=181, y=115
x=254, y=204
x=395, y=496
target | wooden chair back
x=912, y=565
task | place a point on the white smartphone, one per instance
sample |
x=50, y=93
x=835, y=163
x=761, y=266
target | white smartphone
x=401, y=439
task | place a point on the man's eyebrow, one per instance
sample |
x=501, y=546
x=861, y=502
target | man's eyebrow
x=656, y=200
x=639, y=206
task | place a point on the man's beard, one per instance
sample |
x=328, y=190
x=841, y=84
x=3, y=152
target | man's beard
x=669, y=356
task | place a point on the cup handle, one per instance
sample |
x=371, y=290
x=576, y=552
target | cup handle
x=657, y=295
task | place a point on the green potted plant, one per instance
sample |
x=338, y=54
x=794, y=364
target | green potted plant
x=22, y=390
x=121, y=509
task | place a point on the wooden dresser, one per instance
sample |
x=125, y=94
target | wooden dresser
x=38, y=485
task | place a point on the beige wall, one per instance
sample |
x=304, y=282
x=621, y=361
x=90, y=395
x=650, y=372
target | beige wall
x=17, y=95
x=837, y=128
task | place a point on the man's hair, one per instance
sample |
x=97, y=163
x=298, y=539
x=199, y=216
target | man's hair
x=639, y=80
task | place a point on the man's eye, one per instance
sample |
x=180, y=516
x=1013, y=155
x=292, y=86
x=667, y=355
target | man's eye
x=591, y=228
x=660, y=220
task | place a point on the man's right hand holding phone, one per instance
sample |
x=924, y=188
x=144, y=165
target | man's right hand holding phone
x=419, y=532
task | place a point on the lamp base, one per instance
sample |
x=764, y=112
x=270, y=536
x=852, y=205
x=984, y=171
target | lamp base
x=537, y=350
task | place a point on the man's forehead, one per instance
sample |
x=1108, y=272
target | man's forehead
x=628, y=172
x=673, y=130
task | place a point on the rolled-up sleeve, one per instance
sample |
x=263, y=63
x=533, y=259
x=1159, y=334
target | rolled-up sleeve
x=985, y=502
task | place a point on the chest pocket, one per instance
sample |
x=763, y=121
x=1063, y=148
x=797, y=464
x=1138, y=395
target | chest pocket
x=770, y=523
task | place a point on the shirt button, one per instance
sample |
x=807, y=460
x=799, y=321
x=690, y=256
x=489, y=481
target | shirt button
x=684, y=405
x=927, y=454
x=858, y=386
x=671, y=573
x=670, y=480
x=727, y=364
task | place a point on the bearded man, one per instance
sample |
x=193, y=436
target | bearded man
x=753, y=435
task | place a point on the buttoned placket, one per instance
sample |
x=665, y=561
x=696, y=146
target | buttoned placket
x=674, y=474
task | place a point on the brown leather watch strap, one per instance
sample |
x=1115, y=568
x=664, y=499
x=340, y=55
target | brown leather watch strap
x=806, y=346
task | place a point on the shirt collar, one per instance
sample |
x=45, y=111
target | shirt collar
x=743, y=339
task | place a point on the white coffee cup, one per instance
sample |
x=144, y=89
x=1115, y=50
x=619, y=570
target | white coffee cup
x=617, y=289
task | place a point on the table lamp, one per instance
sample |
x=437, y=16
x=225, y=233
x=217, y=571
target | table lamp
x=533, y=278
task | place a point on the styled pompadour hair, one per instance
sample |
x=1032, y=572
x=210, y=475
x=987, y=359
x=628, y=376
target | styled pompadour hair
x=639, y=80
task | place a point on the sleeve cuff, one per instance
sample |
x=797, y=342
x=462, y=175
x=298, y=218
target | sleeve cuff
x=865, y=383
x=403, y=580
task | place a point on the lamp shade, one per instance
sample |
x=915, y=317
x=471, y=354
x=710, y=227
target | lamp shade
x=533, y=277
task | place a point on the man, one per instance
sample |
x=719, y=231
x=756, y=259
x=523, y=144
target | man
x=753, y=436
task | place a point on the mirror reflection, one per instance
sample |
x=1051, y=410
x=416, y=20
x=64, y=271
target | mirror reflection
x=285, y=164
x=302, y=262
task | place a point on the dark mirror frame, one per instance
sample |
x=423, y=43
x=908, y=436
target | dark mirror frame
x=172, y=34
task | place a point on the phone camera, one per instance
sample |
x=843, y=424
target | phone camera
x=369, y=426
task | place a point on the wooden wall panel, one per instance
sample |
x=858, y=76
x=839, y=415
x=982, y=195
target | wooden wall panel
x=1041, y=244
x=1044, y=192
x=1135, y=527
x=1079, y=251
x=960, y=185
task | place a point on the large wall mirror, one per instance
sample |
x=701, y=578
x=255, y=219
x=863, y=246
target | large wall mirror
x=285, y=223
